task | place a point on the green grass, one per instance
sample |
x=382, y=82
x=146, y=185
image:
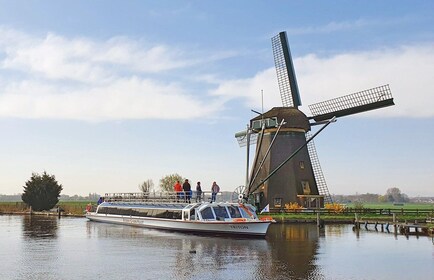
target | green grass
x=70, y=207
x=389, y=205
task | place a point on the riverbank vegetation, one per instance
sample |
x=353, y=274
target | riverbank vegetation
x=75, y=208
x=377, y=211
x=367, y=211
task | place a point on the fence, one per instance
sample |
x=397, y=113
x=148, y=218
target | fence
x=364, y=211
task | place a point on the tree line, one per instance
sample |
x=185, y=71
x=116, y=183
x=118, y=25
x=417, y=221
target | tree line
x=392, y=195
x=42, y=192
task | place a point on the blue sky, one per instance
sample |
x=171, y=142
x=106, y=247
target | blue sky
x=107, y=94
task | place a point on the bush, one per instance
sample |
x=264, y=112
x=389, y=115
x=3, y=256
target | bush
x=335, y=207
x=358, y=205
x=293, y=206
x=41, y=192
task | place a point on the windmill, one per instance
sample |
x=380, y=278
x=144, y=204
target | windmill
x=284, y=132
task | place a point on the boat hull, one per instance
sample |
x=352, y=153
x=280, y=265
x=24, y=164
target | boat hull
x=254, y=228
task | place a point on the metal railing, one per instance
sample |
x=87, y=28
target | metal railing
x=161, y=197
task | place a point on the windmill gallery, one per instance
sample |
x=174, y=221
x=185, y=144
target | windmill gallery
x=286, y=168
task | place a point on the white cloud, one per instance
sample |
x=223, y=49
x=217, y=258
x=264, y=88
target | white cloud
x=60, y=78
x=85, y=60
x=409, y=71
x=131, y=98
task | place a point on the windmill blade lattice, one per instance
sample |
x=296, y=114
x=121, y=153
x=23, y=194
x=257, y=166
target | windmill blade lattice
x=285, y=71
x=242, y=138
x=362, y=101
x=317, y=171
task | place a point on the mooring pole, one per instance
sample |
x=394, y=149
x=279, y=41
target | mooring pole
x=356, y=219
x=248, y=155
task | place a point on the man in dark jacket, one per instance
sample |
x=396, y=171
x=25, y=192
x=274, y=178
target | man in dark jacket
x=187, y=190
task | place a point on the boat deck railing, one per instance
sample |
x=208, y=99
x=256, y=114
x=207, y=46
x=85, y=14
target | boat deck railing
x=160, y=197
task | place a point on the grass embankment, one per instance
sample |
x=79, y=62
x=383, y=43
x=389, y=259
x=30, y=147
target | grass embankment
x=76, y=208
x=405, y=212
x=342, y=218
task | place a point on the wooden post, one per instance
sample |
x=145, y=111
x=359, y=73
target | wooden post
x=356, y=219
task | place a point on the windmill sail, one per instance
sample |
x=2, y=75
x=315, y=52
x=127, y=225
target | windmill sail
x=317, y=171
x=285, y=71
x=362, y=101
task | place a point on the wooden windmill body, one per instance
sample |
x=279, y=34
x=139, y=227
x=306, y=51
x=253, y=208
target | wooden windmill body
x=283, y=147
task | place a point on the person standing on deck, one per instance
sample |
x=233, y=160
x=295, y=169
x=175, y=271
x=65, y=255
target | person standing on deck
x=187, y=190
x=178, y=189
x=215, y=189
x=198, y=192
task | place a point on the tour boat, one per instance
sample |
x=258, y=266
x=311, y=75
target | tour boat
x=170, y=214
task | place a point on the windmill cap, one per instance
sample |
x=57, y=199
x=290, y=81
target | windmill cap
x=294, y=118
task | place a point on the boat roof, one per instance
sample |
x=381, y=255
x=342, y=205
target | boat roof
x=171, y=206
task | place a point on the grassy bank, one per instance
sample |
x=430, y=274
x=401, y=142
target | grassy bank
x=69, y=207
x=78, y=208
x=342, y=218
x=389, y=205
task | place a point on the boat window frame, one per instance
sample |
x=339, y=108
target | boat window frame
x=227, y=216
x=212, y=211
x=237, y=209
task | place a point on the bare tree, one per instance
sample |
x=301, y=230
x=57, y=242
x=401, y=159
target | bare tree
x=147, y=186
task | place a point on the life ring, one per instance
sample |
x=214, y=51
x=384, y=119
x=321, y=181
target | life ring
x=239, y=220
x=266, y=218
x=88, y=208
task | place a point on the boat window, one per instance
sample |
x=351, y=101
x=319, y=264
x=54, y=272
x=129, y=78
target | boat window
x=140, y=212
x=193, y=214
x=220, y=212
x=207, y=214
x=247, y=212
x=234, y=212
x=162, y=214
x=102, y=210
x=252, y=211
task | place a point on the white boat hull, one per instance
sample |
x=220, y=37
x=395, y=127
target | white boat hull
x=253, y=228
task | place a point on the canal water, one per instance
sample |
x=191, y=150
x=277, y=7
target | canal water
x=43, y=247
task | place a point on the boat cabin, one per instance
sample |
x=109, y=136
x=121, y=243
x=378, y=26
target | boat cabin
x=218, y=212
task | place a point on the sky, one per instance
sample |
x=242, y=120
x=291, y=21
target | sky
x=107, y=94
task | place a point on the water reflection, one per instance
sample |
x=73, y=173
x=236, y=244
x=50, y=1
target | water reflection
x=37, y=226
x=39, y=255
x=194, y=256
x=288, y=252
x=42, y=247
x=294, y=251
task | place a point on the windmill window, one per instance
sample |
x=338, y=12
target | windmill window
x=277, y=202
x=301, y=163
x=306, y=187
